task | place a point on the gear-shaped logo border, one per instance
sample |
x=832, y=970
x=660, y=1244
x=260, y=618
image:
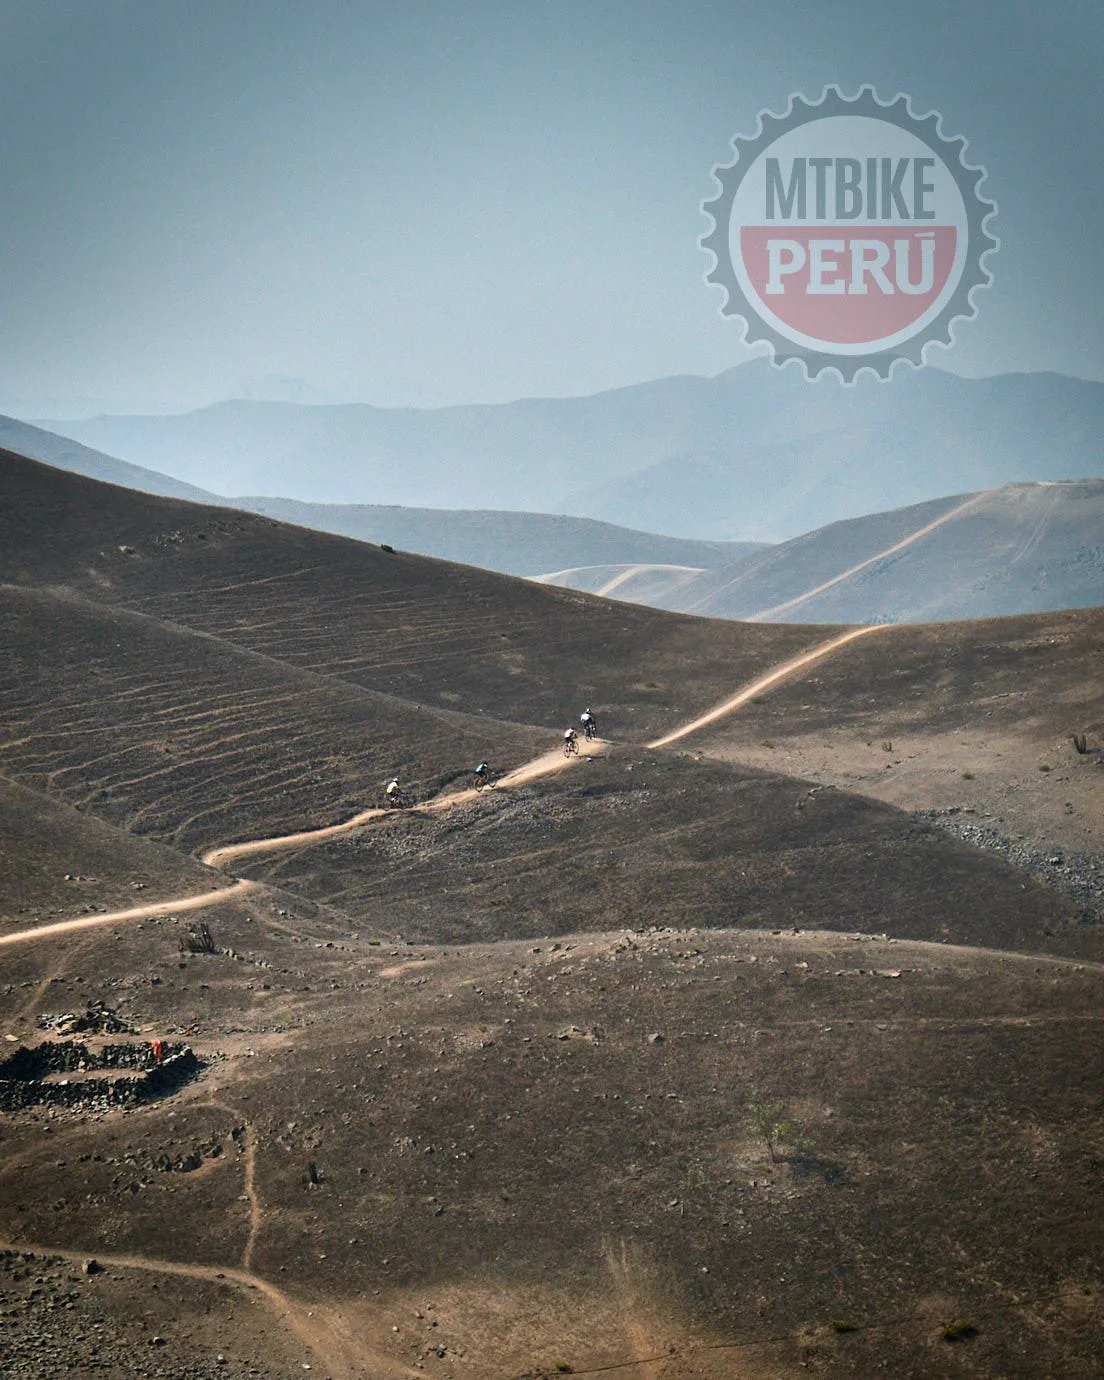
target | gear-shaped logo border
x=928, y=128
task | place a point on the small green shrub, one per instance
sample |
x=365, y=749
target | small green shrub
x=967, y=776
x=767, y=742
x=840, y=1325
x=769, y=1123
x=1044, y=766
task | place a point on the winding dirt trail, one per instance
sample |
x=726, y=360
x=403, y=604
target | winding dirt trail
x=324, y=1331
x=115, y=917
x=624, y=572
x=630, y=572
x=780, y=673
x=547, y=765
x=338, y=1338
x=256, y=1211
x=218, y=857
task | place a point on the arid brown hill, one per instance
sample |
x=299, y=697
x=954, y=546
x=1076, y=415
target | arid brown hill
x=209, y=677
x=421, y=629
x=727, y=1131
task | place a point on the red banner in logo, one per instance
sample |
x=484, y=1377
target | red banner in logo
x=849, y=284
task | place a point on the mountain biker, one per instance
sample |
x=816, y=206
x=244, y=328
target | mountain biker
x=481, y=770
x=586, y=718
x=570, y=742
x=393, y=794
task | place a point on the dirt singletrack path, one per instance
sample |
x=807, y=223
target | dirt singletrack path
x=546, y=765
x=336, y=1338
x=113, y=917
x=323, y=1330
x=780, y=673
x=920, y=532
x=630, y=572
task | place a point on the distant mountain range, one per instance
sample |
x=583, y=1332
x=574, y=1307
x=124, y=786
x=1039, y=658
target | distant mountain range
x=1022, y=548
x=65, y=454
x=756, y=453
x=514, y=543
x=1026, y=535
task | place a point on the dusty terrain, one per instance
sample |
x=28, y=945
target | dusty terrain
x=514, y=1170
x=478, y=1075
x=972, y=724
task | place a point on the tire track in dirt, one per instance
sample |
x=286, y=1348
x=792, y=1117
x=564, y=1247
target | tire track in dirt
x=256, y=1211
x=1037, y=531
x=63, y=964
x=633, y=1308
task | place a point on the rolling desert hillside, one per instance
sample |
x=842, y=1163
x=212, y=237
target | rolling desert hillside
x=1022, y=548
x=668, y=1059
x=423, y=630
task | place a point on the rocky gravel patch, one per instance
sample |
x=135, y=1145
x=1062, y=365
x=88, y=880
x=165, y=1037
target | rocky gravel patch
x=1080, y=876
x=53, y=1322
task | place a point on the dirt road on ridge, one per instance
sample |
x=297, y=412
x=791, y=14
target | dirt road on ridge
x=798, y=599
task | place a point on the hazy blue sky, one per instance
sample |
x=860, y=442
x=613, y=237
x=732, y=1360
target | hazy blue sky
x=441, y=201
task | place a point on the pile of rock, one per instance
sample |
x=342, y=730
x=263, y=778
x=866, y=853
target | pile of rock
x=96, y=1019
